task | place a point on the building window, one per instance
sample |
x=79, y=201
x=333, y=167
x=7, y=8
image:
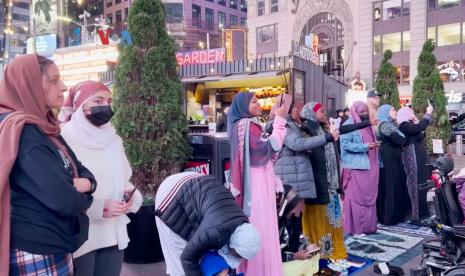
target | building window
x=449, y=34
x=405, y=75
x=266, y=34
x=392, y=42
x=221, y=19
x=174, y=12
x=196, y=13
x=22, y=5
x=232, y=20
x=109, y=3
x=444, y=4
x=117, y=2
x=431, y=34
x=243, y=5
x=243, y=21
x=20, y=17
x=222, y=2
x=126, y=13
x=210, y=0
x=110, y=18
x=392, y=9
x=377, y=11
x=377, y=47
x=118, y=16
x=406, y=8
x=233, y=4
x=431, y=5
x=463, y=32
x=210, y=18
x=406, y=41
x=274, y=6
x=397, y=71
x=260, y=7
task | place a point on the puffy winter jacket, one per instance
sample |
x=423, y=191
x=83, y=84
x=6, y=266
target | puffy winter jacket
x=204, y=213
x=293, y=165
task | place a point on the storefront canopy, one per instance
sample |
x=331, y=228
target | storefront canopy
x=269, y=78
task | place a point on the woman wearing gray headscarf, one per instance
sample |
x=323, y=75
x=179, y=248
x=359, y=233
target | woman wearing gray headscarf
x=322, y=216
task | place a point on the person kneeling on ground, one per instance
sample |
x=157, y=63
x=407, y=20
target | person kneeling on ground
x=196, y=214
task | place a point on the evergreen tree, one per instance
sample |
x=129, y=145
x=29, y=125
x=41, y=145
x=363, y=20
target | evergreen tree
x=429, y=87
x=386, y=83
x=148, y=99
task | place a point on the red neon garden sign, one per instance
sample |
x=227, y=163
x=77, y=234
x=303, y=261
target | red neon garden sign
x=200, y=57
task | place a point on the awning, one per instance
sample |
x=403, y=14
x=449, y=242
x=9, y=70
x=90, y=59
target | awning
x=200, y=79
x=253, y=79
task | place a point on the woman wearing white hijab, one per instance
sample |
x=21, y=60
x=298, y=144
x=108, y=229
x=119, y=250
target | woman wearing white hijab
x=86, y=114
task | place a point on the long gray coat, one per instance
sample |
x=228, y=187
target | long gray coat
x=293, y=166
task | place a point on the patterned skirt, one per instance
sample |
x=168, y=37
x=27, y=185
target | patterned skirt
x=322, y=225
x=23, y=263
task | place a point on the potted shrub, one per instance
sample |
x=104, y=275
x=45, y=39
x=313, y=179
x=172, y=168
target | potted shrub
x=149, y=118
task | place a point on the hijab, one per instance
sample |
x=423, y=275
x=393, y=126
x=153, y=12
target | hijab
x=79, y=94
x=23, y=98
x=387, y=124
x=239, y=109
x=355, y=110
x=404, y=114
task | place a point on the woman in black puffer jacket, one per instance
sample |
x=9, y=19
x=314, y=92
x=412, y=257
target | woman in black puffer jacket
x=196, y=214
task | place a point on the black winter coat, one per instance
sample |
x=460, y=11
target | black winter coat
x=48, y=214
x=205, y=214
x=318, y=160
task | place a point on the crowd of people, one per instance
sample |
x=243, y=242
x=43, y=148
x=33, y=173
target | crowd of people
x=65, y=182
x=370, y=176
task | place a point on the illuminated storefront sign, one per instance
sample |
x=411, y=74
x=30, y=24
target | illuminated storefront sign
x=84, y=62
x=201, y=57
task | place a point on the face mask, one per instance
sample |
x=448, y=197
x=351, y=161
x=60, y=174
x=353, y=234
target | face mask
x=364, y=117
x=100, y=115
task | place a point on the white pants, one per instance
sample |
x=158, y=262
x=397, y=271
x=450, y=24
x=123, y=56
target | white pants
x=171, y=243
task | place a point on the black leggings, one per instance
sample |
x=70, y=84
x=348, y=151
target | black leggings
x=105, y=261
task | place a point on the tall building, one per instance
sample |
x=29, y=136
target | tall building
x=15, y=28
x=116, y=12
x=353, y=34
x=202, y=18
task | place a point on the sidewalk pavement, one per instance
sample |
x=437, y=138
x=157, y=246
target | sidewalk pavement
x=155, y=269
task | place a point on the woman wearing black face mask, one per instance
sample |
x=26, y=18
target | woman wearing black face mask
x=86, y=115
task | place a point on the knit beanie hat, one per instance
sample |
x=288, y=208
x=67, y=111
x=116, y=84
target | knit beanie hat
x=245, y=241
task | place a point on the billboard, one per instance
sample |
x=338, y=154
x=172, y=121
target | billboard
x=46, y=45
x=43, y=14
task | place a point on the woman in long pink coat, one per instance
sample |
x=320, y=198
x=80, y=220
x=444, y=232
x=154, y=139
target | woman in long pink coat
x=253, y=181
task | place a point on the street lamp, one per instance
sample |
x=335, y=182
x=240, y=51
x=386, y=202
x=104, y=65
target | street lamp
x=84, y=17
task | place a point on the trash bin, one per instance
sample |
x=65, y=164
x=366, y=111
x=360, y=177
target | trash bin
x=211, y=154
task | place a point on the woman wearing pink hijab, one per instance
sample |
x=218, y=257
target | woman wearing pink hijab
x=88, y=131
x=360, y=175
x=415, y=157
x=44, y=189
